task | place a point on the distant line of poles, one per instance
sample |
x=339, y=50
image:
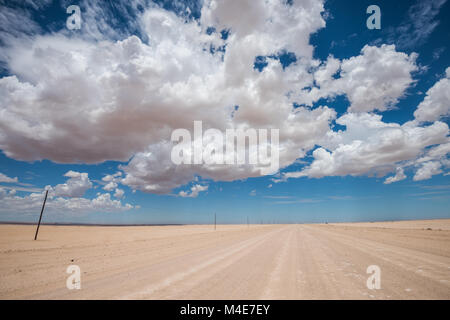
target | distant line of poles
x=248, y=221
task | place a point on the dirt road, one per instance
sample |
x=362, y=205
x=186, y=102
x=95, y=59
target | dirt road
x=234, y=262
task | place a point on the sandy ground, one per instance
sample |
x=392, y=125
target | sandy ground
x=234, y=262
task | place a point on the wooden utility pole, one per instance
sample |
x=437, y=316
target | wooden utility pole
x=247, y=222
x=214, y=221
x=40, y=217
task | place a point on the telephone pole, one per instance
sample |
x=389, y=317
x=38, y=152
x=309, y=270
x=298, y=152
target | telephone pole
x=40, y=217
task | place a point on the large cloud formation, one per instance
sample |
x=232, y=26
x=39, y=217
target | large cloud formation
x=94, y=96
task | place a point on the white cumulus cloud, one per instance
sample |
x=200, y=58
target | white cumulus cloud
x=427, y=170
x=437, y=101
x=399, y=175
x=76, y=186
x=194, y=192
x=63, y=198
x=5, y=178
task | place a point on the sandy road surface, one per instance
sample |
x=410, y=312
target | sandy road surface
x=234, y=262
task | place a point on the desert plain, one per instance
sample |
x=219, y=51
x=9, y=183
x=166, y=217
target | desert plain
x=296, y=261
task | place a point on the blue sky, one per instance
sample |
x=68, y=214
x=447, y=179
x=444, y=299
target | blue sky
x=354, y=190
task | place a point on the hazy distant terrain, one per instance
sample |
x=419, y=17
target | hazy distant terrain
x=233, y=262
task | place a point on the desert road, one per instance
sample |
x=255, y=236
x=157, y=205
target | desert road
x=326, y=261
